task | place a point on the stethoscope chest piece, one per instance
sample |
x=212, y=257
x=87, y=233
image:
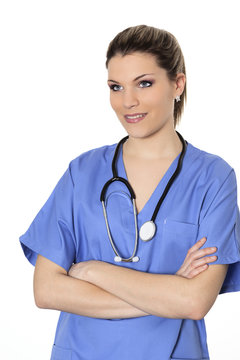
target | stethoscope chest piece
x=147, y=231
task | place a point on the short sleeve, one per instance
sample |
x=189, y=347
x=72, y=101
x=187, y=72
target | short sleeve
x=220, y=224
x=51, y=233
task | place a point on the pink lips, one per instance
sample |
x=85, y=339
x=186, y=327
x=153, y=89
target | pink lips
x=137, y=119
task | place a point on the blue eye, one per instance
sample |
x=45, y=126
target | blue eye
x=142, y=84
x=115, y=87
x=145, y=83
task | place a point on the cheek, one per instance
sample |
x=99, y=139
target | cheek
x=154, y=101
x=114, y=101
x=161, y=101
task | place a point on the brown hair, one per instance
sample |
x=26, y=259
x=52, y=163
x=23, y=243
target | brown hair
x=160, y=43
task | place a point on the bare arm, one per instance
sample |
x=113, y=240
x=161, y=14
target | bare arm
x=53, y=289
x=168, y=296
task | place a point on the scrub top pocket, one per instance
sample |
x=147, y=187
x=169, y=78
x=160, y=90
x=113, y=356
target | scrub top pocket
x=177, y=238
x=59, y=353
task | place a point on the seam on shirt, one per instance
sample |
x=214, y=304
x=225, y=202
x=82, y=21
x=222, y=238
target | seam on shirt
x=70, y=172
x=73, y=234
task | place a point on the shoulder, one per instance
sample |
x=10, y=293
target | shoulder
x=208, y=166
x=90, y=160
x=211, y=179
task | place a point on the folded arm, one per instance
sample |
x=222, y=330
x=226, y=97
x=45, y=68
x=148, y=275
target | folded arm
x=54, y=289
x=168, y=296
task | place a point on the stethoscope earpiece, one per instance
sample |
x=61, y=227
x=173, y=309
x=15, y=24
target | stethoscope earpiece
x=119, y=259
x=148, y=229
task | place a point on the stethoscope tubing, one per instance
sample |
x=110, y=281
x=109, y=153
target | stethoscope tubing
x=173, y=177
x=150, y=223
x=118, y=258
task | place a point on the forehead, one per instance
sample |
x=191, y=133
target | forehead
x=132, y=65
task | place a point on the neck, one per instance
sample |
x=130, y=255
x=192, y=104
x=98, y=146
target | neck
x=164, y=144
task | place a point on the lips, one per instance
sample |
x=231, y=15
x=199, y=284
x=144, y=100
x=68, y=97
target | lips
x=133, y=118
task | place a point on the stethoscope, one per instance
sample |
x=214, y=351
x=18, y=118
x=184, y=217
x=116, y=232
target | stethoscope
x=148, y=229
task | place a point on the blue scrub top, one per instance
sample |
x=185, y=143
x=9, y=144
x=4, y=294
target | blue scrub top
x=70, y=228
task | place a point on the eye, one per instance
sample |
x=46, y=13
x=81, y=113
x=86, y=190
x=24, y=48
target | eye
x=114, y=87
x=145, y=83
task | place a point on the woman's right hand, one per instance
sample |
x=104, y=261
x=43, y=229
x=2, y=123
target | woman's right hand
x=194, y=264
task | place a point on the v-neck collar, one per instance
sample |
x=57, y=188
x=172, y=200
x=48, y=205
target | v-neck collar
x=148, y=209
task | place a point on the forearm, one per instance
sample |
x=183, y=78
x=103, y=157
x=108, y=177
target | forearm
x=161, y=295
x=67, y=294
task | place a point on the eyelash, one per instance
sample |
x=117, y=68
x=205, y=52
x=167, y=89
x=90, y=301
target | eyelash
x=143, y=81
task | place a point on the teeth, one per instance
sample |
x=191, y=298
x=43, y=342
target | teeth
x=135, y=117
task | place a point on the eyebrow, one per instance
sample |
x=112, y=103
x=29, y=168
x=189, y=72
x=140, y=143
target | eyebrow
x=138, y=77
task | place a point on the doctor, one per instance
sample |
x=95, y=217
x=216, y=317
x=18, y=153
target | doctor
x=153, y=307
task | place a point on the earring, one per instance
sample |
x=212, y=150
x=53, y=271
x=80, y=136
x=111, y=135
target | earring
x=177, y=98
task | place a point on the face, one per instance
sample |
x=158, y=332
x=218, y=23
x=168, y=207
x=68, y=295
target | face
x=141, y=94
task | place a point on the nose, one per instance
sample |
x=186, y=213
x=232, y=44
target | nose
x=130, y=99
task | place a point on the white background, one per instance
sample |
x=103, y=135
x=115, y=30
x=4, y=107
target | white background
x=54, y=104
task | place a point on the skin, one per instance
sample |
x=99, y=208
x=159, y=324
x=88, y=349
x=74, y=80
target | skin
x=153, y=143
x=154, y=136
x=71, y=292
x=99, y=289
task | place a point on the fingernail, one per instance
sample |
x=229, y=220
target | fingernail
x=214, y=248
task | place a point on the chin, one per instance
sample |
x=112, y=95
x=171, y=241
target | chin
x=138, y=134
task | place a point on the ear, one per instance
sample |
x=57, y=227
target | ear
x=180, y=84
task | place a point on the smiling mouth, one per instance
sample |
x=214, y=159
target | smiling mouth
x=134, y=117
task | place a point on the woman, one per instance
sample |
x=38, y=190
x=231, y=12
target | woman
x=123, y=295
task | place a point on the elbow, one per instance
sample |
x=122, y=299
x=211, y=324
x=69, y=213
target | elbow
x=43, y=293
x=199, y=310
x=45, y=283
x=197, y=315
x=41, y=299
x=39, y=303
